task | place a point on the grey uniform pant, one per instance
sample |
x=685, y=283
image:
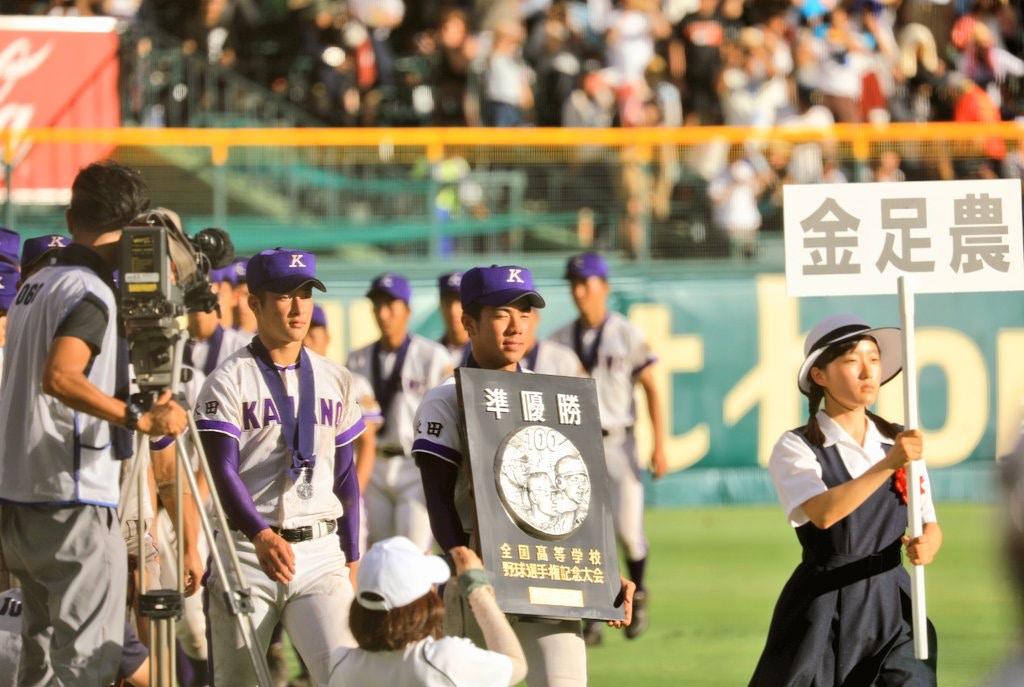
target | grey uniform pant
x=72, y=565
x=556, y=655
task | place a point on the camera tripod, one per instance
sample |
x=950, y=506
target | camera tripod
x=163, y=607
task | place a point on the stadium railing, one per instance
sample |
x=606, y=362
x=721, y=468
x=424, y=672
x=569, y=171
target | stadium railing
x=404, y=195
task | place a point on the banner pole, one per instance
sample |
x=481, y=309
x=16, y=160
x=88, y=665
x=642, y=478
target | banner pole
x=910, y=414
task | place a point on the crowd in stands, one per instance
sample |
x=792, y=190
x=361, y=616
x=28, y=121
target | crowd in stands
x=806, y=64
x=607, y=62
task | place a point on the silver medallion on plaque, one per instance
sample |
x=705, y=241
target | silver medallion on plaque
x=543, y=482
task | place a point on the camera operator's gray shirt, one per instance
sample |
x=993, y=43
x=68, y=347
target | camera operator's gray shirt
x=50, y=453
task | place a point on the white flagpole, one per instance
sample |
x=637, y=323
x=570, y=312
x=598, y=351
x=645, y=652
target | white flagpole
x=910, y=412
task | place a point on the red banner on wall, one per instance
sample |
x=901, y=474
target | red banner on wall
x=56, y=72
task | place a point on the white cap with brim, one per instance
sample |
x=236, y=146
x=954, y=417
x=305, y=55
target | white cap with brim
x=394, y=573
x=845, y=327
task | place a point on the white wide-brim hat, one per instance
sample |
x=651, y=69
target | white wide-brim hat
x=844, y=327
x=394, y=573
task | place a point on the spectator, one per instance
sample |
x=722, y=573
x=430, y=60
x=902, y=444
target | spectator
x=841, y=52
x=888, y=167
x=451, y=53
x=733, y=194
x=751, y=95
x=696, y=58
x=507, y=91
x=632, y=32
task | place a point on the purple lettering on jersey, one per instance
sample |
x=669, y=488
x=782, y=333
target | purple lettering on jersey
x=270, y=412
x=326, y=411
x=249, y=420
x=337, y=410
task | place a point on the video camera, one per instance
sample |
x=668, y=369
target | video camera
x=165, y=275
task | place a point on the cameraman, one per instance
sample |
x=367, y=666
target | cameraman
x=58, y=473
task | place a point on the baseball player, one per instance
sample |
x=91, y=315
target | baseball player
x=614, y=353
x=9, y=279
x=243, y=317
x=549, y=357
x=454, y=339
x=8, y=288
x=58, y=472
x=10, y=245
x=401, y=368
x=210, y=342
x=277, y=422
x=38, y=252
x=496, y=305
x=318, y=339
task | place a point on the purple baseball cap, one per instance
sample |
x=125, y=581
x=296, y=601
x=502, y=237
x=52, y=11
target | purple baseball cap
x=393, y=285
x=319, y=318
x=223, y=274
x=35, y=249
x=239, y=267
x=585, y=265
x=10, y=245
x=449, y=283
x=499, y=285
x=282, y=270
x=9, y=276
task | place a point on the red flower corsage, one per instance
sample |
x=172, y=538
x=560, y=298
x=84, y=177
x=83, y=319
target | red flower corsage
x=899, y=485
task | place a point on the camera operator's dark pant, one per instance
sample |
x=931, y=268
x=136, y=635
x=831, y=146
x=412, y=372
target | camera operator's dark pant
x=72, y=565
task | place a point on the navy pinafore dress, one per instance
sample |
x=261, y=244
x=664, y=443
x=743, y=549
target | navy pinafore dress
x=843, y=617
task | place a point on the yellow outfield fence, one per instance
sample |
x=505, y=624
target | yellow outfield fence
x=402, y=195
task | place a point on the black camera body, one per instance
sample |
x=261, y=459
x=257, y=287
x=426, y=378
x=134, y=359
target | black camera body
x=164, y=276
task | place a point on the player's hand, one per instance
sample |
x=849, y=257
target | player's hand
x=353, y=570
x=465, y=559
x=193, y=572
x=275, y=556
x=165, y=418
x=920, y=550
x=659, y=463
x=624, y=599
x=908, y=446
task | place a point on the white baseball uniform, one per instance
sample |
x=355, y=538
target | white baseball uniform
x=238, y=404
x=554, y=649
x=552, y=358
x=614, y=354
x=371, y=416
x=223, y=344
x=394, y=498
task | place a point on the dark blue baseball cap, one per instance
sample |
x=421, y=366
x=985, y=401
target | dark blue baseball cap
x=35, y=249
x=391, y=285
x=10, y=245
x=586, y=265
x=319, y=318
x=282, y=270
x=9, y=276
x=449, y=283
x=499, y=285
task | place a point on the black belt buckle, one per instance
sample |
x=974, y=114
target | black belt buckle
x=876, y=563
x=296, y=535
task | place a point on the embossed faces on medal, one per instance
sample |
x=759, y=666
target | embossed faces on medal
x=543, y=482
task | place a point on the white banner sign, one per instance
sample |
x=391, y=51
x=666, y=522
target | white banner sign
x=946, y=236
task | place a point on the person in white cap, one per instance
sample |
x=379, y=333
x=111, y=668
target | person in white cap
x=397, y=619
x=844, y=616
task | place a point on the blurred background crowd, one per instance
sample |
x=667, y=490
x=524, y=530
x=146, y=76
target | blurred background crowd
x=599, y=63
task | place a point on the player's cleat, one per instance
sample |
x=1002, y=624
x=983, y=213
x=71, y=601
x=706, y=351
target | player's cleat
x=592, y=632
x=641, y=619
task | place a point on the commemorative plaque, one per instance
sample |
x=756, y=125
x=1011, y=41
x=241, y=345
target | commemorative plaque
x=540, y=486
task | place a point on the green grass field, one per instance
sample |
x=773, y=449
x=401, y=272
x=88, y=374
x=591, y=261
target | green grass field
x=715, y=574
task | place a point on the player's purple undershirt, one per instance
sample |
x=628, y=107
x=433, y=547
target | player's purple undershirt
x=439, y=478
x=241, y=511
